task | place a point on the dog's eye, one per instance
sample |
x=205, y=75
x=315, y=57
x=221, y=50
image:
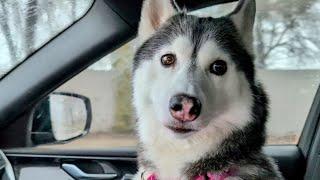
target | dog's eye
x=168, y=59
x=218, y=67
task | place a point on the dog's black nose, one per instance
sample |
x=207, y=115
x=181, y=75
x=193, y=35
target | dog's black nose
x=184, y=107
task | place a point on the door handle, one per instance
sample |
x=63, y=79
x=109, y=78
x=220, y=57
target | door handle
x=78, y=174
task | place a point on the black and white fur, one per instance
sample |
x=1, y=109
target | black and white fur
x=230, y=130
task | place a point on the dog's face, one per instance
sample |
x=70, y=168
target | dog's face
x=193, y=74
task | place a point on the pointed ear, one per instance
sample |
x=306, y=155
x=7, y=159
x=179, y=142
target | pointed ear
x=243, y=18
x=154, y=14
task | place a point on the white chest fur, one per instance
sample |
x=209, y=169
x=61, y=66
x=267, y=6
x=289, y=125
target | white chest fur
x=171, y=156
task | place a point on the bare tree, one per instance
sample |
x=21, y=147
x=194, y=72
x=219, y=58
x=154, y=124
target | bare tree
x=28, y=28
x=49, y=8
x=281, y=27
x=30, y=25
x=73, y=10
x=276, y=39
x=4, y=23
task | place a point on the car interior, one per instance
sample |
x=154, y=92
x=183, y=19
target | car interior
x=106, y=26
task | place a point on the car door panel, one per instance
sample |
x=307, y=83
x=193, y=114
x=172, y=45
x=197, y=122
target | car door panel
x=55, y=166
x=289, y=159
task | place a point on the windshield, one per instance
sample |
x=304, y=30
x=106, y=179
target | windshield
x=26, y=25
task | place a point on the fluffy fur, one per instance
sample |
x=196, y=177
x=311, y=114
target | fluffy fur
x=230, y=130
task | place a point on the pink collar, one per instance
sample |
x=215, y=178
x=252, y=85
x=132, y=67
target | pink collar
x=209, y=176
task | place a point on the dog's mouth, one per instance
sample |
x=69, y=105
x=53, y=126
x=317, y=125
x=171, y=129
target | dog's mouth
x=180, y=130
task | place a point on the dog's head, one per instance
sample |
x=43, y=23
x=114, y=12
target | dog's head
x=193, y=74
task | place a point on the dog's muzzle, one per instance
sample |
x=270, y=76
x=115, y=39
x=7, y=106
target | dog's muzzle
x=185, y=108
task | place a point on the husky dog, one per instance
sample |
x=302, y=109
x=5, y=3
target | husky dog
x=201, y=111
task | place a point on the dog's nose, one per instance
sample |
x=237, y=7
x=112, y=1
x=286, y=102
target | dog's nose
x=184, y=107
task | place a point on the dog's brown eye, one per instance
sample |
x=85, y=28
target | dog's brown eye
x=218, y=67
x=168, y=59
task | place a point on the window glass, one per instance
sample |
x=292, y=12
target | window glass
x=287, y=47
x=26, y=25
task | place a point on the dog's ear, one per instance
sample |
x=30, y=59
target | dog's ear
x=243, y=18
x=154, y=14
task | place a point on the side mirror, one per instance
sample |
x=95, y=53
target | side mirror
x=60, y=117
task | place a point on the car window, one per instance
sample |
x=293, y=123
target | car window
x=26, y=25
x=287, y=46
